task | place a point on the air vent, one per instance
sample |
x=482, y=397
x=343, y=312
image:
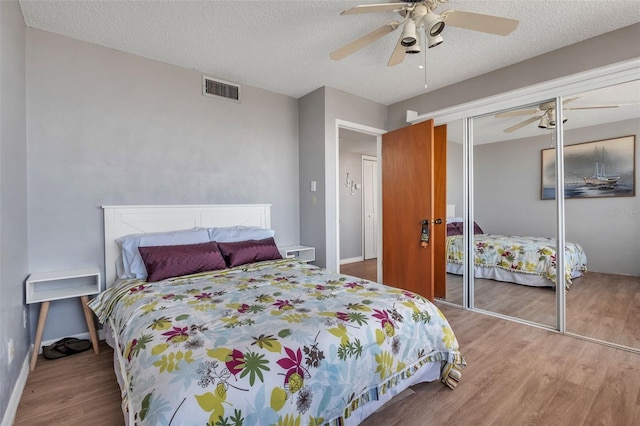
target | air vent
x=220, y=89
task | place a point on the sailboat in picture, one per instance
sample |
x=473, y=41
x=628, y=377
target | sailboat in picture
x=600, y=176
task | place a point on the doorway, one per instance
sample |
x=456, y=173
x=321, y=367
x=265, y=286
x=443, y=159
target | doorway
x=357, y=203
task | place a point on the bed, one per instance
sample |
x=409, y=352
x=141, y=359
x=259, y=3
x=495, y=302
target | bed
x=260, y=340
x=517, y=259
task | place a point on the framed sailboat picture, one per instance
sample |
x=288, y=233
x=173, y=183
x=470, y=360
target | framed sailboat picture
x=604, y=168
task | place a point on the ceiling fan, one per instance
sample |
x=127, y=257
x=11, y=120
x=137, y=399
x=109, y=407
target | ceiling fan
x=545, y=114
x=419, y=15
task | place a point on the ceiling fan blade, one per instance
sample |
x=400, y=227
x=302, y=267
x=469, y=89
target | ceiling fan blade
x=594, y=107
x=517, y=113
x=398, y=54
x=479, y=22
x=368, y=8
x=522, y=124
x=363, y=41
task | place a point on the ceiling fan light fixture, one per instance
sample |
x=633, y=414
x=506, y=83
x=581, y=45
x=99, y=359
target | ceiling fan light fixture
x=552, y=122
x=544, y=123
x=434, y=41
x=433, y=24
x=415, y=48
x=409, y=34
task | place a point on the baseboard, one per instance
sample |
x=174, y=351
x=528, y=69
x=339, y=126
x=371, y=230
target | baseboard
x=10, y=413
x=351, y=260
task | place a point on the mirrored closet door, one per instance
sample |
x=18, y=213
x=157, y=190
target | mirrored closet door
x=455, y=197
x=602, y=212
x=514, y=224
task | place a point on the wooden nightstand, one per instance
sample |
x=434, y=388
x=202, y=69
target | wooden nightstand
x=44, y=287
x=302, y=253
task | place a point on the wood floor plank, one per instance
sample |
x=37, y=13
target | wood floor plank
x=615, y=403
x=568, y=405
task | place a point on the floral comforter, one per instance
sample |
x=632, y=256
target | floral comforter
x=279, y=342
x=528, y=255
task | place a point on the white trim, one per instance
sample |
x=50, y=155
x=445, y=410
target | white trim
x=12, y=408
x=602, y=342
x=560, y=220
x=599, y=77
x=378, y=213
x=352, y=260
x=332, y=218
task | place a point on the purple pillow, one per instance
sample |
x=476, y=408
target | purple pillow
x=477, y=229
x=457, y=228
x=249, y=251
x=164, y=262
x=453, y=229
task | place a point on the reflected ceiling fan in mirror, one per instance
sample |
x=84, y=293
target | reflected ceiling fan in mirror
x=420, y=16
x=545, y=114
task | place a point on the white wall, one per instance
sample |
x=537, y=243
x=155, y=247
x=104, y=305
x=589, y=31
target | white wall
x=13, y=200
x=507, y=200
x=107, y=127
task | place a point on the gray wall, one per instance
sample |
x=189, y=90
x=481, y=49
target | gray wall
x=606, y=49
x=507, y=200
x=319, y=111
x=350, y=206
x=107, y=127
x=343, y=106
x=13, y=197
x=312, y=204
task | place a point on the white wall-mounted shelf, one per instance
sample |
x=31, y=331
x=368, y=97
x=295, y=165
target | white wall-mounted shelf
x=48, y=286
x=302, y=253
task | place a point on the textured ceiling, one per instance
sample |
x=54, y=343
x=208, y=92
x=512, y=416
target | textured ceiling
x=283, y=46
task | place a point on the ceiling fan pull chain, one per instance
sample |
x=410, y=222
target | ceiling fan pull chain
x=425, y=59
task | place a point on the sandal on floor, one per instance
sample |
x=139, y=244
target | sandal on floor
x=65, y=347
x=57, y=349
x=77, y=346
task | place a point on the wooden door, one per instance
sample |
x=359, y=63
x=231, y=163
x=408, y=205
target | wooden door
x=409, y=180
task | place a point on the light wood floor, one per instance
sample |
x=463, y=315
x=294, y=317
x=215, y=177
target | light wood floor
x=521, y=375
x=515, y=375
x=601, y=306
x=367, y=270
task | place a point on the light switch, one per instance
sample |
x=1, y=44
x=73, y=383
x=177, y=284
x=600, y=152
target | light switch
x=313, y=186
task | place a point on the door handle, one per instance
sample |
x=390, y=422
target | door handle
x=424, y=233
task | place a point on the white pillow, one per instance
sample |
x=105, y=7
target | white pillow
x=455, y=219
x=133, y=266
x=233, y=234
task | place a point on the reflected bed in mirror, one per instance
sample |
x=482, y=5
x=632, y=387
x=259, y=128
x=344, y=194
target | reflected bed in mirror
x=522, y=260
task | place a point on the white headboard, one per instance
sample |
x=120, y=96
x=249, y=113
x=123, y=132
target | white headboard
x=125, y=220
